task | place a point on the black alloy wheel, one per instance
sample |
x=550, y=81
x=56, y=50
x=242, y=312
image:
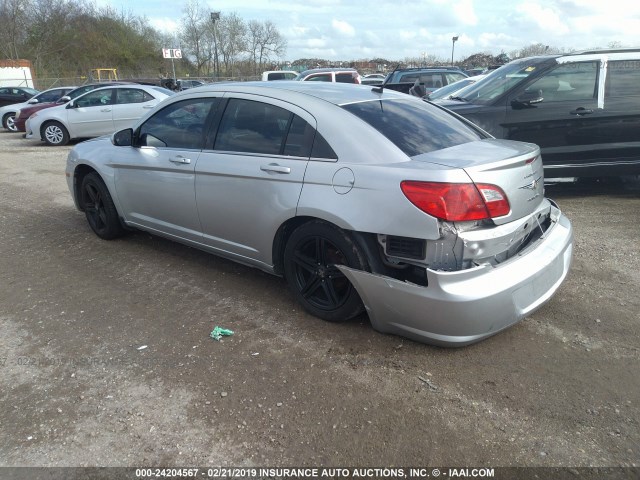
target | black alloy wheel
x=311, y=256
x=99, y=208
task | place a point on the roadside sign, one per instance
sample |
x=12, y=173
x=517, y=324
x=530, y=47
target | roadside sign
x=171, y=53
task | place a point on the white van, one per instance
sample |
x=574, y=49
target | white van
x=279, y=75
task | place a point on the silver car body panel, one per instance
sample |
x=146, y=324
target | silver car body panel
x=463, y=307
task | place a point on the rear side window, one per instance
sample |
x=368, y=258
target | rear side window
x=347, y=77
x=623, y=79
x=414, y=127
x=132, y=95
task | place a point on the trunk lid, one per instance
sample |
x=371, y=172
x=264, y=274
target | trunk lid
x=515, y=167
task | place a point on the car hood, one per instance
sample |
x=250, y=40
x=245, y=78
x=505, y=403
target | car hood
x=458, y=106
x=515, y=167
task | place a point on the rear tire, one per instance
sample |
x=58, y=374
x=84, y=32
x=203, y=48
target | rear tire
x=54, y=134
x=99, y=208
x=310, y=258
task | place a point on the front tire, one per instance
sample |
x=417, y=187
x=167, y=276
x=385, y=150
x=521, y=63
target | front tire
x=9, y=122
x=99, y=208
x=310, y=258
x=55, y=134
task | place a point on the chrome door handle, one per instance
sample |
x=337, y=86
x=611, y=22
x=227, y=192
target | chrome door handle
x=274, y=167
x=105, y=110
x=180, y=159
x=148, y=106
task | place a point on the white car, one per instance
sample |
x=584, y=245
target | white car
x=8, y=112
x=98, y=112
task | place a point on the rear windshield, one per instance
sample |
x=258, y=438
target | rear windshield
x=414, y=127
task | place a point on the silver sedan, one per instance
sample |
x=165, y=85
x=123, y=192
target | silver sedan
x=98, y=112
x=363, y=199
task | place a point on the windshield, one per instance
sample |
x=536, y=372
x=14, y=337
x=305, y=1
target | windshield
x=449, y=89
x=501, y=80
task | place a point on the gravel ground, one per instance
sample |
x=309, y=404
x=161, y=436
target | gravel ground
x=106, y=359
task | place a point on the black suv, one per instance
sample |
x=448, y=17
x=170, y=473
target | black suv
x=428, y=78
x=582, y=109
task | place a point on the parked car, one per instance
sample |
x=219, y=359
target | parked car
x=373, y=79
x=454, y=88
x=359, y=199
x=98, y=112
x=427, y=79
x=582, y=109
x=279, y=75
x=8, y=112
x=189, y=83
x=340, y=75
x=11, y=95
x=22, y=114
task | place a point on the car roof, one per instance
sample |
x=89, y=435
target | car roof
x=332, y=92
x=328, y=69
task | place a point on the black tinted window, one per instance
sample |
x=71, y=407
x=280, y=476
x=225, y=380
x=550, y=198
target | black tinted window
x=252, y=127
x=623, y=78
x=179, y=125
x=345, y=77
x=299, y=138
x=50, y=96
x=414, y=127
x=321, y=148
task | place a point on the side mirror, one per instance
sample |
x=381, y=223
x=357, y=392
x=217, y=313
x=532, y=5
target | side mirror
x=32, y=101
x=64, y=99
x=123, y=138
x=527, y=99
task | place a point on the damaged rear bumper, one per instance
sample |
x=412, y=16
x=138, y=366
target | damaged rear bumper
x=462, y=307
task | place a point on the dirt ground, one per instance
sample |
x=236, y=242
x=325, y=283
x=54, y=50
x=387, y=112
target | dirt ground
x=106, y=358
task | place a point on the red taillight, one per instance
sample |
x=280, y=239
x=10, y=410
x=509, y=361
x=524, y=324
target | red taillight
x=457, y=202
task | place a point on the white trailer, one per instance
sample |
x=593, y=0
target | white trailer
x=15, y=73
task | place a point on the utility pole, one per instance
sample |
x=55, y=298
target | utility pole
x=453, y=45
x=215, y=16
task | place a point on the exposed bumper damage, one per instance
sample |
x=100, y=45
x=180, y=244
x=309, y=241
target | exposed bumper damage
x=461, y=307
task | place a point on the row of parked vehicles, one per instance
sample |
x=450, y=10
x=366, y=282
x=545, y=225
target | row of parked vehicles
x=582, y=109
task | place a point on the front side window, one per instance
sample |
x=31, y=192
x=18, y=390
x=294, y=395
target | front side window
x=501, y=81
x=623, y=79
x=572, y=81
x=414, y=127
x=132, y=95
x=95, y=98
x=179, y=125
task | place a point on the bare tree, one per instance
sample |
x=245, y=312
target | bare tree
x=13, y=21
x=195, y=34
x=264, y=40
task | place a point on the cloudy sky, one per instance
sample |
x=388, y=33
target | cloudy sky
x=398, y=29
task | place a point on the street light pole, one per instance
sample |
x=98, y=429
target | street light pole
x=453, y=45
x=215, y=16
